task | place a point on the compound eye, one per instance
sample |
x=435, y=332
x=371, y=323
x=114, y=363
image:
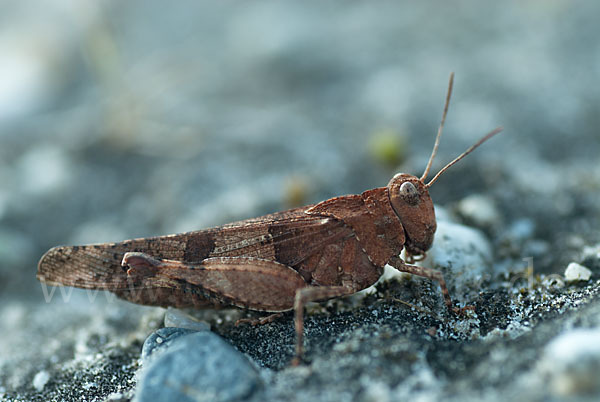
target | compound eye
x=409, y=192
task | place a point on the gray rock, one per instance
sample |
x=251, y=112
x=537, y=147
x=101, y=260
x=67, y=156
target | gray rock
x=162, y=340
x=198, y=367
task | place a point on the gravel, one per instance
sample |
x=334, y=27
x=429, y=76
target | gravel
x=133, y=119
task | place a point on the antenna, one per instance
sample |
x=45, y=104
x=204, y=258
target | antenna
x=440, y=128
x=467, y=152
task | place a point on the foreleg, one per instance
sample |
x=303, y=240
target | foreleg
x=429, y=273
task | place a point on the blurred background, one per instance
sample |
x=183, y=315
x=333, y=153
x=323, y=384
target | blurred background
x=128, y=119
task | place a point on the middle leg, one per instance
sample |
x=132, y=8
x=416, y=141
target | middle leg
x=307, y=295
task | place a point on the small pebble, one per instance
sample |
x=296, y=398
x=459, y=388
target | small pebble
x=479, y=209
x=115, y=397
x=521, y=229
x=553, y=280
x=591, y=257
x=463, y=250
x=40, y=380
x=198, y=367
x=536, y=248
x=179, y=319
x=162, y=339
x=592, y=252
x=577, y=272
x=377, y=391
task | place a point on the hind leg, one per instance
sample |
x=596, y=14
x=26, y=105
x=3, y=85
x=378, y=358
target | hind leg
x=247, y=282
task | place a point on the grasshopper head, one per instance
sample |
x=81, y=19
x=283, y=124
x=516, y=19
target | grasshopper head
x=410, y=200
x=409, y=196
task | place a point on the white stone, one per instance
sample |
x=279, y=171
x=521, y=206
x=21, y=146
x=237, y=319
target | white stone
x=40, y=380
x=592, y=252
x=577, y=272
x=463, y=251
x=479, y=209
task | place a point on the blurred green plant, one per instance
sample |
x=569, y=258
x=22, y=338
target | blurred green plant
x=387, y=147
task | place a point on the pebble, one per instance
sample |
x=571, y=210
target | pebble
x=116, y=397
x=479, y=209
x=592, y=252
x=521, y=230
x=463, y=250
x=177, y=318
x=198, y=367
x=577, y=272
x=162, y=340
x=40, y=380
x=591, y=257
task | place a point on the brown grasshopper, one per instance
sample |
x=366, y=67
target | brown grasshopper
x=273, y=263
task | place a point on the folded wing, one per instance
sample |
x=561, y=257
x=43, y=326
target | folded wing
x=288, y=237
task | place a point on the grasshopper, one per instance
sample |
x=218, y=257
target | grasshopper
x=274, y=263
